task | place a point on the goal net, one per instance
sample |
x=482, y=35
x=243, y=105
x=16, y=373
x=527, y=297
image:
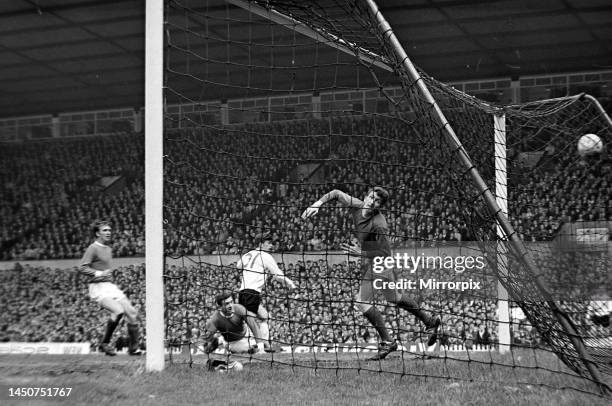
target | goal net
x=271, y=104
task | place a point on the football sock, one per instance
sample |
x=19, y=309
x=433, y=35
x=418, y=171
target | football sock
x=111, y=325
x=264, y=329
x=132, y=336
x=376, y=319
x=411, y=306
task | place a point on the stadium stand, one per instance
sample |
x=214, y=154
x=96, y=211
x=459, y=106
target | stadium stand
x=46, y=201
x=49, y=192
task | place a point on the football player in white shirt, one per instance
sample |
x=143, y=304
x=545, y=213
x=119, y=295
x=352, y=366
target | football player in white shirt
x=257, y=266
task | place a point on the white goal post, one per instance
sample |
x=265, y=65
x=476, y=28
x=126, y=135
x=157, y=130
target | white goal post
x=501, y=196
x=154, y=130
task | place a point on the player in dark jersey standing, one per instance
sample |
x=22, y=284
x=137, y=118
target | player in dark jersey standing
x=230, y=322
x=96, y=264
x=372, y=232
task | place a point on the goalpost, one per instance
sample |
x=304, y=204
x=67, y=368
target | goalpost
x=154, y=125
x=350, y=98
x=515, y=243
x=501, y=197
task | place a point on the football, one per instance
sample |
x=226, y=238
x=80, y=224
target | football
x=589, y=144
x=235, y=365
x=223, y=366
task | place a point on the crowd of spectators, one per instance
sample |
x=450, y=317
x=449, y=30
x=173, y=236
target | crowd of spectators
x=431, y=198
x=45, y=304
x=49, y=193
x=53, y=305
x=223, y=187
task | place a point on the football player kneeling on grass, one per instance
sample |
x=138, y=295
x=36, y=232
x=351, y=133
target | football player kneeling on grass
x=230, y=321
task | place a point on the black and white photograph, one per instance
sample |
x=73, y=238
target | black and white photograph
x=323, y=202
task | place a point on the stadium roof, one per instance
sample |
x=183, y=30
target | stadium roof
x=75, y=55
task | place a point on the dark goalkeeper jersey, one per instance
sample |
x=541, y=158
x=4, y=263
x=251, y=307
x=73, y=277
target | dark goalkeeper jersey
x=97, y=257
x=372, y=230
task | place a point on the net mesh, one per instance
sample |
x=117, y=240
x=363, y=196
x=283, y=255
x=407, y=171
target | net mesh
x=272, y=104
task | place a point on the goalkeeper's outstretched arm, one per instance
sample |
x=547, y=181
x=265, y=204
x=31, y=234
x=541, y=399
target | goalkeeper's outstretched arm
x=345, y=199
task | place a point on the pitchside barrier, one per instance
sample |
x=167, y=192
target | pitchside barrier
x=42, y=348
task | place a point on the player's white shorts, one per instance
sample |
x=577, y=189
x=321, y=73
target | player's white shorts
x=103, y=290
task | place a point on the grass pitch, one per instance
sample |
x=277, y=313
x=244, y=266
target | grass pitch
x=300, y=379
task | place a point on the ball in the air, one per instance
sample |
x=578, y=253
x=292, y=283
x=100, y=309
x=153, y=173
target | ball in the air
x=589, y=144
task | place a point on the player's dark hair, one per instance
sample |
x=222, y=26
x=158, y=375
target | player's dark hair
x=221, y=297
x=97, y=225
x=263, y=237
x=382, y=193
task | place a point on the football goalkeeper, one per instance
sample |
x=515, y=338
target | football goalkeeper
x=372, y=232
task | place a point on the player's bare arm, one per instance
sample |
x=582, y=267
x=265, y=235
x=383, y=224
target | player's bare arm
x=277, y=274
x=285, y=281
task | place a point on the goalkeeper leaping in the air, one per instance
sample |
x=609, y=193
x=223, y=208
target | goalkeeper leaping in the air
x=372, y=232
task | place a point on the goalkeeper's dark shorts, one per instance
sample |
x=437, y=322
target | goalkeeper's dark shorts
x=250, y=299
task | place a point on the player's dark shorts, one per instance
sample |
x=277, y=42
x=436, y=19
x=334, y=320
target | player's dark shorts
x=250, y=299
